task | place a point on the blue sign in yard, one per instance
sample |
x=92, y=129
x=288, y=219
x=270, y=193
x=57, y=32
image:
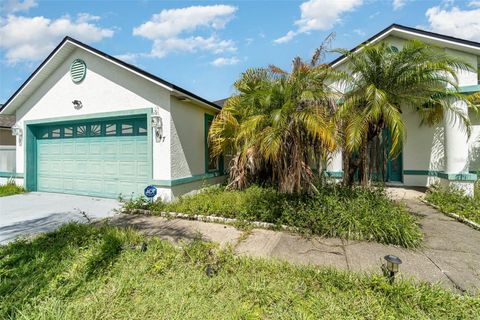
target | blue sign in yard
x=150, y=191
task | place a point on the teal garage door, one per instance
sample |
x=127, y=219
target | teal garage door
x=102, y=159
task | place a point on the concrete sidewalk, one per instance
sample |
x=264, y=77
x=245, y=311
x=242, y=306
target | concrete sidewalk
x=450, y=256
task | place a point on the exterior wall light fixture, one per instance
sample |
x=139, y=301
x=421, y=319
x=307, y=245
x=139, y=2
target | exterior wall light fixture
x=157, y=125
x=18, y=132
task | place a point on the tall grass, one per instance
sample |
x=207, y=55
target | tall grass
x=350, y=213
x=87, y=272
x=452, y=200
x=10, y=188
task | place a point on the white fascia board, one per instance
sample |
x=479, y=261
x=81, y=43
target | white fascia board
x=4, y=111
x=124, y=67
x=413, y=34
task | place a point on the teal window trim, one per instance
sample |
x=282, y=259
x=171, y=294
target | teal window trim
x=11, y=174
x=208, y=119
x=89, y=129
x=333, y=174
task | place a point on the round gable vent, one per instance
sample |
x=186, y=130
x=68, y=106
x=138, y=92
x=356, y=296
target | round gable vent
x=78, y=70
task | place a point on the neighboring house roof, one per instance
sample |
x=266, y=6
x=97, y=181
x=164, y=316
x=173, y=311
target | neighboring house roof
x=221, y=102
x=66, y=47
x=6, y=121
x=410, y=33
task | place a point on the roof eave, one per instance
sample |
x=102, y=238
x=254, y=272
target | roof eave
x=142, y=73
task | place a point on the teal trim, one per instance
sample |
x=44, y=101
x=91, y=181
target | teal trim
x=207, y=119
x=333, y=174
x=458, y=176
x=91, y=117
x=443, y=175
x=30, y=159
x=420, y=172
x=180, y=181
x=30, y=127
x=469, y=89
x=11, y=175
x=78, y=70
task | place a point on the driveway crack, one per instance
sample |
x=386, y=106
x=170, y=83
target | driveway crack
x=455, y=285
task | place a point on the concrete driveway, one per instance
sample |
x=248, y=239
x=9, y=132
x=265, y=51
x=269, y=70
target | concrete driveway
x=35, y=212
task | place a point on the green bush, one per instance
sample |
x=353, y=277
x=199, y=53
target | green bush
x=90, y=272
x=336, y=211
x=451, y=200
x=10, y=188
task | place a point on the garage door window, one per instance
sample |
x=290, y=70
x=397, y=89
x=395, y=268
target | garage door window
x=118, y=128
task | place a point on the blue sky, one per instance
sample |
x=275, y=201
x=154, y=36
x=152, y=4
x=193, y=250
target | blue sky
x=203, y=46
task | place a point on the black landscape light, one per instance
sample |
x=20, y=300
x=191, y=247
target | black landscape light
x=393, y=265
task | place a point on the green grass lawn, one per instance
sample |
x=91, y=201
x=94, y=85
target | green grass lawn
x=454, y=201
x=10, y=189
x=88, y=272
x=350, y=213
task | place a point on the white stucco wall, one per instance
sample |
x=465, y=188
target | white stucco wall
x=474, y=143
x=188, y=138
x=422, y=149
x=106, y=88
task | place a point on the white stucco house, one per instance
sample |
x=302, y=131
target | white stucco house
x=90, y=124
x=87, y=123
x=444, y=154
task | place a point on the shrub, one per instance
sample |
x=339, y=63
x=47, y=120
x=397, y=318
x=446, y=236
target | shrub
x=335, y=211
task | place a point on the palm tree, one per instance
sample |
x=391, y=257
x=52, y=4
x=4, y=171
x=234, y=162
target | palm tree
x=383, y=82
x=277, y=125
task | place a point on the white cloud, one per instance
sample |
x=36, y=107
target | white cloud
x=319, y=15
x=398, y=4
x=32, y=38
x=12, y=6
x=162, y=47
x=286, y=38
x=455, y=22
x=220, y=62
x=169, y=29
x=360, y=32
x=128, y=57
x=475, y=3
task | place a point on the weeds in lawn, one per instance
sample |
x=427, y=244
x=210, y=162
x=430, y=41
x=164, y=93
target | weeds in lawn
x=91, y=272
x=10, y=188
x=451, y=200
x=336, y=211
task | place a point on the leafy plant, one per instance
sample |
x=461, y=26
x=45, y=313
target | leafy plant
x=334, y=211
x=277, y=124
x=10, y=188
x=384, y=82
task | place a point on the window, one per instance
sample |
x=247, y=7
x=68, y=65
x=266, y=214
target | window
x=55, y=133
x=81, y=131
x=68, y=132
x=95, y=130
x=142, y=127
x=127, y=128
x=212, y=164
x=111, y=129
x=119, y=127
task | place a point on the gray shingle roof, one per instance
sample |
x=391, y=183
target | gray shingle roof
x=6, y=121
